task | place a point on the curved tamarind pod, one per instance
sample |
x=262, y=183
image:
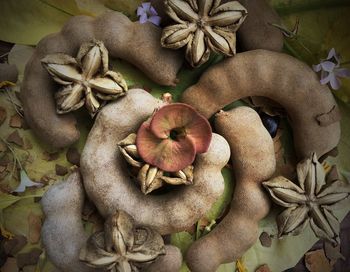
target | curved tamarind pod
x=136, y=43
x=311, y=108
x=256, y=31
x=8, y=72
x=63, y=233
x=170, y=262
x=253, y=161
x=109, y=186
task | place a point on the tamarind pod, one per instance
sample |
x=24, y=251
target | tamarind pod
x=136, y=43
x=63, y=234
x=256, y=32
x=253, y=160
x=311, y=108
x=8, y=72
x=109, y=186
x=170, y=262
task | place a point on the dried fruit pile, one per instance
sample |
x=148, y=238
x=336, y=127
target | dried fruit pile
x=147, y=164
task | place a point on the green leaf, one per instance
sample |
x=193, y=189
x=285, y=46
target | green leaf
x=26, y=22
x=182, y=240
x=219, y=206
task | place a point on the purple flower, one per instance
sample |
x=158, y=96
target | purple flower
x=147, y=13
x=331, y=71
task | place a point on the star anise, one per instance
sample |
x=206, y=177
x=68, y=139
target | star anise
x=204, y=26
x=85, y=79
x=121, y=246
x=313, y=202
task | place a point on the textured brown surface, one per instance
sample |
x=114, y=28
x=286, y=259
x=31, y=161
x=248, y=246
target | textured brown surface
x=279, y=77
x=133, y=42
x=253, y=159
x=107, y=181
x=63, y=232
x=256, y=31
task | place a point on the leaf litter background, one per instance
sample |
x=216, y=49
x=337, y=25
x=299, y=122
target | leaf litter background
x=323, y=24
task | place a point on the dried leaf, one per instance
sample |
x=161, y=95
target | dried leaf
x=3, y=115
x=16, y=121
x=15, y=138
x=316, y=261
x=263, y=268
x=73, y=156
x=332, y=253
x=61, y=170
x=47, y=156
x=3, y=147
x=30, y=258
x=34, y=222
x=13, y=246
x=265, y=239
x=25, y=182
x=10, y=265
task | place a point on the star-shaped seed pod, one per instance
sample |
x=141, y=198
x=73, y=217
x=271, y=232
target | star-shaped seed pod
x=312, y=202
x=85, y=79
x=150, y=177
x=203, y=26
x=121, y=246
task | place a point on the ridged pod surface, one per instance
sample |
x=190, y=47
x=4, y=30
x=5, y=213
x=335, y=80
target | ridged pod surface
x=109, y=186
x=253, y=162
x=136, y=43
x=312, y=110
x=63, y=232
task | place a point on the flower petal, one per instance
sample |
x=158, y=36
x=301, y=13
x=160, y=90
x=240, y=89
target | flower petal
x=166, y=154
x=316, y=68
x=325, y=79
x=143, y=18
x=154, y=19
x=182, y=116
x=333, y=54
x=146, y=6
x=327, y=66
x=152, y=11
x=342, y=72
x=140, y=11
x=334, y=81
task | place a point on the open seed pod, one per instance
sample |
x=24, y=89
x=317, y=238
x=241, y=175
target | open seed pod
x=65, y=240
x=108, y=183
x=136, y=43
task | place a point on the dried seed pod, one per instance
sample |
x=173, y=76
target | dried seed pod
x=109, y=186
x=63, y=233
x=256, y=31
x=279, y=77
x=120, y=36
x=254, y=159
